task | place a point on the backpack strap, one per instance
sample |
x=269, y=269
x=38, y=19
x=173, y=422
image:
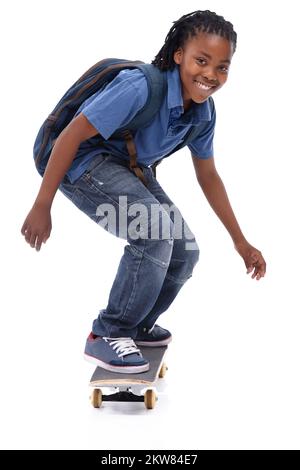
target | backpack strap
x=157, y=86
x=133, y=157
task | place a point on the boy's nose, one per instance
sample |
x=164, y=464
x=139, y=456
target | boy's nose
x=210, y=76
x=210, y=79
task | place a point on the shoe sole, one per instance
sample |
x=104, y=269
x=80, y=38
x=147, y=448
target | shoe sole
x=154, y=344
x=120, y=369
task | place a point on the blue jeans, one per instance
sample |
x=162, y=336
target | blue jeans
x=152, y=269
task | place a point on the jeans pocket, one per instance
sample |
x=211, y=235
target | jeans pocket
x=95, y=164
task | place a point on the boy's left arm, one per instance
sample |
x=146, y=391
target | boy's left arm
x=215, y=192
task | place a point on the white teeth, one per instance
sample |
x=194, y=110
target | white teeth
x=202, y=86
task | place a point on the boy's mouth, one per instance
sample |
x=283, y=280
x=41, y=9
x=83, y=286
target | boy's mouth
x=203, y=86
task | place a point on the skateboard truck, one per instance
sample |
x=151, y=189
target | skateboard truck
x=123, y=395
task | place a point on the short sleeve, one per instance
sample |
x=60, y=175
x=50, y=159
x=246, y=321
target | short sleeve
x=202, y=145
x=118, y=103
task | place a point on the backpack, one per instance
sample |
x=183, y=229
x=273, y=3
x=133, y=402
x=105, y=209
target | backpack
x=93, y=80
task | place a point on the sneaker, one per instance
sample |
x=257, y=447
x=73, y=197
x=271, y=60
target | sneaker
x=156, y=336
x=115, y=354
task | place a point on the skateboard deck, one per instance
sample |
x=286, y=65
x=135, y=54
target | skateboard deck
x=129, y=387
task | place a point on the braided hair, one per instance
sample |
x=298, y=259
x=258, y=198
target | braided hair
x=188, y=26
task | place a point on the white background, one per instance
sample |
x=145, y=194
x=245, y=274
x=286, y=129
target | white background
x=233, y=379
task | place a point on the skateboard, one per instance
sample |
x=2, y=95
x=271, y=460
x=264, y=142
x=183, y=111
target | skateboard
x=130, y=387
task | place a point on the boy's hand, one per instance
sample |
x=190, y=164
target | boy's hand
x=37, y=226
x=253, y=259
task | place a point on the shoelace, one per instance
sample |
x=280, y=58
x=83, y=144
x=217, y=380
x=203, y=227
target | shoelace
x=148, y=331
x=122, y=346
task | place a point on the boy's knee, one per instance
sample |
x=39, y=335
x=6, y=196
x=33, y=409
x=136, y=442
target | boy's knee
x=159, y=244
x=192, y=254
x=151, y=232
x=183, y=261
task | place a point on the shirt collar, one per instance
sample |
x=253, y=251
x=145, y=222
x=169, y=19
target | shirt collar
x=197, y=113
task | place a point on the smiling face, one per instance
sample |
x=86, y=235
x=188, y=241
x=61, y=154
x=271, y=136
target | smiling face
x=203, y=64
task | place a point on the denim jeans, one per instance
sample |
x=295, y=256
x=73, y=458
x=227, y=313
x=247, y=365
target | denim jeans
x=152, y=269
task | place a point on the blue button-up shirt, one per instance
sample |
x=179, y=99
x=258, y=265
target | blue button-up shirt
x=119, y=102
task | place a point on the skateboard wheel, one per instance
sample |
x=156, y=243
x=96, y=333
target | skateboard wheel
x=96, y=398
x=163, y=370
x=150, y=399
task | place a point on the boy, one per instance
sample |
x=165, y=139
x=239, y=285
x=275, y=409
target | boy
x=196, y=57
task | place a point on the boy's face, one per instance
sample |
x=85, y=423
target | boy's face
x=204, y=64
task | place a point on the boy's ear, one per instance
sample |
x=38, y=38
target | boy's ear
x=178, y=56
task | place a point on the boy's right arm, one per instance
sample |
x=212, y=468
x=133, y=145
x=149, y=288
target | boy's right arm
x=37, y=225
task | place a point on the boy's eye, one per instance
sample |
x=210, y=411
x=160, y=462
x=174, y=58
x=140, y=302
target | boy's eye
x=201, y=61
x=223, y=68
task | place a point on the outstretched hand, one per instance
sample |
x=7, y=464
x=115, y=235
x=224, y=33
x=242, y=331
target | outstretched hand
x=253, y=259
x=37, y=226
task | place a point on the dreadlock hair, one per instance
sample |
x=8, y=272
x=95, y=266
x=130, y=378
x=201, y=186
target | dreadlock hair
x=188, y=26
